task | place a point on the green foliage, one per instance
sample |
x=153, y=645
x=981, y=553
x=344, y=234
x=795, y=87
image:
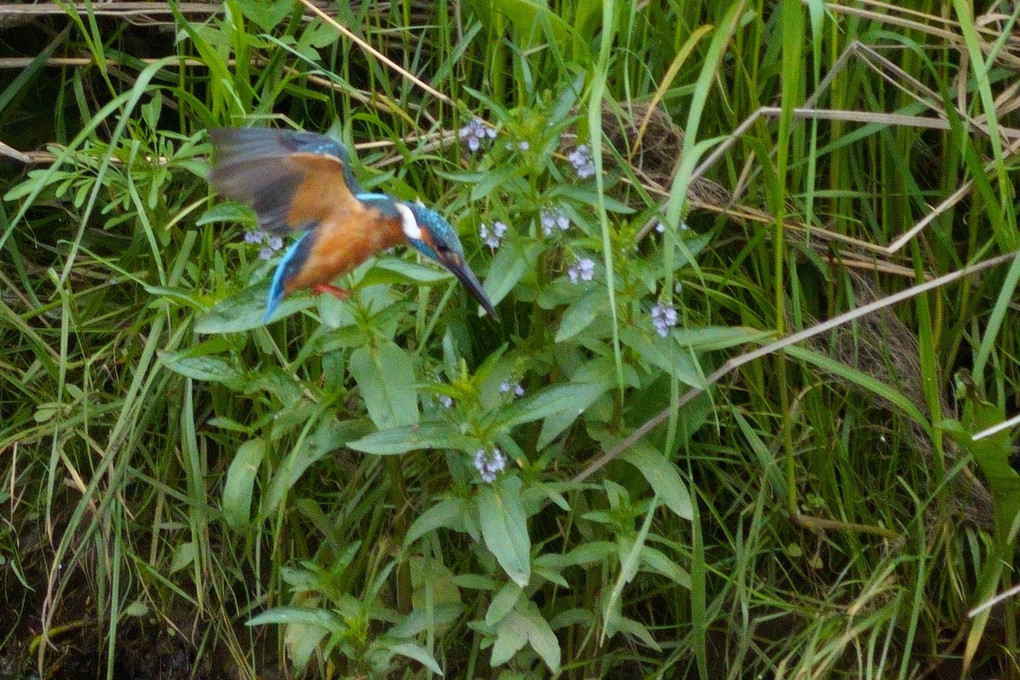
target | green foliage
x=397, y=486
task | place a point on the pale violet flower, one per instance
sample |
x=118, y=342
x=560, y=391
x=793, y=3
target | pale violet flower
x=489, y=464
x=476, y=132
x=270, y=243
x=663, y=318
x=582, y=161
x=523, y=145
x=492, y=236
x=584, y=270
x=506, y=387
x=660, y=227
x=554, y=217
x=445, y=400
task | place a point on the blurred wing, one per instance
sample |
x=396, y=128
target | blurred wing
x=293, y=180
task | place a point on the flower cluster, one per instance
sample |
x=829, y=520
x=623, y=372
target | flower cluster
x=506, y=387
x=489, y=464
x=476, y=132
x=660, y=227
x=270, y=243
x=554, y=217
x=583, y=270
x=492, y=236
x=582, y=161
x=663, y=318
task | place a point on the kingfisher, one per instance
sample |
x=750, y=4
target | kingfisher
x=302, y=181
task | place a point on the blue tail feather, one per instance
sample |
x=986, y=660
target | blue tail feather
x=289, y=265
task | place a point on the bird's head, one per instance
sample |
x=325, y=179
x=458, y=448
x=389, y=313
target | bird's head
x=432, y=235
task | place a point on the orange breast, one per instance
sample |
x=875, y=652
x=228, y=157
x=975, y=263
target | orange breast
x=342, y=242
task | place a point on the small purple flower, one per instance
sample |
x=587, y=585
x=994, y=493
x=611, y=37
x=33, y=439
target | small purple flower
x=506, y=387
x=476, y=132
x=445, y=400
x=553, y=217
x=660, y=227
x=270, y=244
x=663, y=318
x=582, y=161
x=684, y=226
x=523, y=145
x=489, y=464
x=584, y=270
x=492, y=237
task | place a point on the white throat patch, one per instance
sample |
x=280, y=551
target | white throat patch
x=408, y=223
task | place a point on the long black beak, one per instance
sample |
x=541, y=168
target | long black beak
x=463, y=272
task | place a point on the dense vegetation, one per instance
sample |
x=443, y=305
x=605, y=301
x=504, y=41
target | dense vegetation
x=753, y=266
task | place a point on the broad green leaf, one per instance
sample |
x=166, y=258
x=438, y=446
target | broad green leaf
x=266, y=14
x=663, y=477
x=319, y=618
x=184, y=555
x=396, y=270
x=580, y=314
x=655, y=560
x=385, y=375
x=574, y=397
x=446, y=513
x=419, y=654
x=669, y=357
x=511, y=636
x=505, y=527
x=432, y=435
x=244, y=311
x=503, y=603
x=240, y=484
x=506, y=270
x=540, y=635
x=203, y=367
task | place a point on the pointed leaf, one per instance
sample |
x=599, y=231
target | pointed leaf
x=386, y=377
x=663, y=477
x=505, y=528
x=238, y=489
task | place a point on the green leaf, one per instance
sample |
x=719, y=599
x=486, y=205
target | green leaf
x=386, y=377
x=446, y=513
x=432, y=435
x=663, y=477
x=581, y=313
x=505, y=527
x=503, y=603
x=506, y=270
x=395, y=270
x=204, y=367
x=511, y=636
x=266, y=14
x=574, y=397
x=244, y=311
x=419, y=654
x=319, y=618
x=540, y=636
x=240, y=483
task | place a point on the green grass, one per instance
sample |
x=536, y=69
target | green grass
x=784, y=485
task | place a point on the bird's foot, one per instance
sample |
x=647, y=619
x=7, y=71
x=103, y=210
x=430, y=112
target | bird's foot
x=338, y=293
